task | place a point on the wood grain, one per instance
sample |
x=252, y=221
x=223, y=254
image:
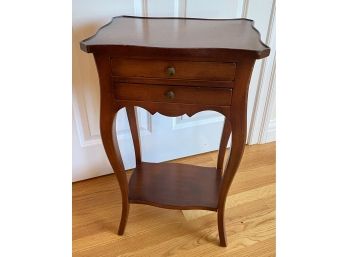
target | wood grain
x=152, y=68
x=133, y=125
x=227, y=37
x=249, y=214
x=225, y=135
x=175, y=186
x=181, y=186
x=180, y=94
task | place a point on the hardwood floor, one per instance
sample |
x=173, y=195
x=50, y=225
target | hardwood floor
x=151, y=231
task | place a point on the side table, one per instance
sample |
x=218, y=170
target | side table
x=175, y=66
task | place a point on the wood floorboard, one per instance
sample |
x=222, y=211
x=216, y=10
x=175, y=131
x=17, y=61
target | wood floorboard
x=152, y=231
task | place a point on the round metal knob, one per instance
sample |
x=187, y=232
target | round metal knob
x=170, y=71
x=169, y=94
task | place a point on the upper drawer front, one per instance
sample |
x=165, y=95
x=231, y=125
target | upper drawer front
x=175, y=94
x=166, y=69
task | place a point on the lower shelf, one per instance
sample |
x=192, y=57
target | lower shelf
x=175, y=186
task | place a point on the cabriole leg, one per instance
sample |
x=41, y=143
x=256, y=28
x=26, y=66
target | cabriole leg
x=225, y=135
x=109, y=138
x=221, y=227
x=238, y=126
x=133, y=124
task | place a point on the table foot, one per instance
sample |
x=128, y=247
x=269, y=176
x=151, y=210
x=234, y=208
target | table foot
x=221, y=227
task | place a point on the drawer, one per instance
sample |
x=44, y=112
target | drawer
x=175, y=94
x=166, y=69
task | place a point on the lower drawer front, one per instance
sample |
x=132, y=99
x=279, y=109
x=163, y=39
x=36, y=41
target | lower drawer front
x=175, y=94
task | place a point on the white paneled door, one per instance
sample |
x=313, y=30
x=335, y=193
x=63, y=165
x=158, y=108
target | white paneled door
x=162, y=138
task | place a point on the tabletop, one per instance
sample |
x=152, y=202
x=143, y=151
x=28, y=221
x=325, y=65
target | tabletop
x=179, y=33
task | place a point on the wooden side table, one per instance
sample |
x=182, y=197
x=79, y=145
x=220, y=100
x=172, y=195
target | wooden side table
x=175, y=66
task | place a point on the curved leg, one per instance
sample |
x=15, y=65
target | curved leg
x=133, y=124
x=221, y=227
x=225, y=135
x=237, y=120
x=238, y=144
x=108, y=111
x=109, y=138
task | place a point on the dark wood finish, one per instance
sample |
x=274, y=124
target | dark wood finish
x=175, y=82
x=186, y=36
x=133, y=124
x=173, y=94
x=108, y=134
x=152, y=184
x=239, y=130
x=173, y=69
x=175, y=66
x=173, y=109
x=225, y=135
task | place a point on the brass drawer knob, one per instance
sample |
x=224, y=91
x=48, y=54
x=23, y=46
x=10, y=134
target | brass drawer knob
x=169, y=94
x=170, y=71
